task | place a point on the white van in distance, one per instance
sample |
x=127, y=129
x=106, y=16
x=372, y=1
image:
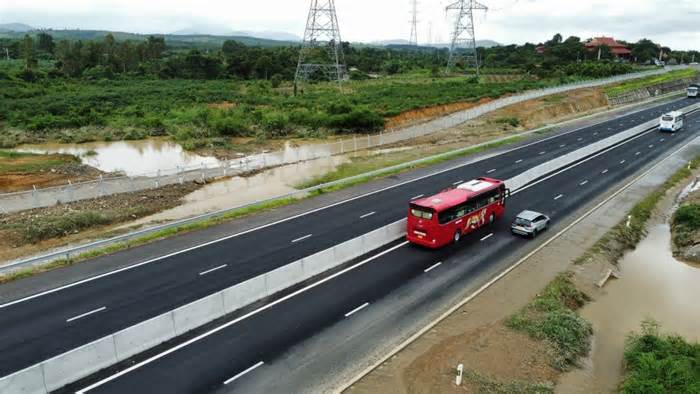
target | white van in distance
x=672, y=121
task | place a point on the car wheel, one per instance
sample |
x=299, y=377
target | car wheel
x=458, y=236
x=534, y=233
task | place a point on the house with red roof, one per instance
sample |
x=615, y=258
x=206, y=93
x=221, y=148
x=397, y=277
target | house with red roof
x=618, y=50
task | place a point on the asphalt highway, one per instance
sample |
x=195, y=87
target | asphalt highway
x=234, y=357
x=44, y=325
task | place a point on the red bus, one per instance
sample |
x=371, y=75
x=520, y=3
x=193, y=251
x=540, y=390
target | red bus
x=436, y=221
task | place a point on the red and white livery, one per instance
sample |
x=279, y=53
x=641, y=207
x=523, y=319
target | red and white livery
x=446, y=217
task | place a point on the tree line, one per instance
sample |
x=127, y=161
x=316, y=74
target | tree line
x=107, y=58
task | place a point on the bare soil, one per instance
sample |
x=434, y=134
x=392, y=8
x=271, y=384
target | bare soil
x=46, y=175
x=120, y=208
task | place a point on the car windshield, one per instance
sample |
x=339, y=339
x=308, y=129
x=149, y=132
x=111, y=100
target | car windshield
x=522, y=222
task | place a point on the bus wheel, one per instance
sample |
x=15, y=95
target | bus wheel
x=492, y=219
x=458, y=236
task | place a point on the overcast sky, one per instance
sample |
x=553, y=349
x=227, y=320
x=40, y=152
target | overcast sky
x=672, y=22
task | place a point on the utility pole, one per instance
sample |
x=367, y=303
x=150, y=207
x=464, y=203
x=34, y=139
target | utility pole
x=413, y=40
x=463, y=45
x=321, y=54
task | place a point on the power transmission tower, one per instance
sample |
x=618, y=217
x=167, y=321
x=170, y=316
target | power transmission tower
x=413, y=40
x=463, y=46
x=321, y=55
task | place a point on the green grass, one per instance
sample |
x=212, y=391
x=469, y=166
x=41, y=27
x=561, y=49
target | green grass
x=68, y=110
x=686, y=222
x=656, y=363
x=552, y=317
x=622, y=237
x=635, y=84
x=491, y=386
x=365, y=164
x=29, y=163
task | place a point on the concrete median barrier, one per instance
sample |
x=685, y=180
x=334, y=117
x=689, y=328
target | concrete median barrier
x=61, y=370
x=198, y=313
x=143, y=336
x=26, y=381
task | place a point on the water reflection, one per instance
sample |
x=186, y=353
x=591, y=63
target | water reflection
x=131, y=157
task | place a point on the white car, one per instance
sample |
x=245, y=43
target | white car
x=530, y=223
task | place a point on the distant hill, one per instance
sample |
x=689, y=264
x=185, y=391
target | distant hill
x=15, y=27
x=268, y=35
x=203, y=41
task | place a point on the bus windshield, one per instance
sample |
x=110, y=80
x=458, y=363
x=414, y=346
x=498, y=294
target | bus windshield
x=667, y=118
x=421, y=213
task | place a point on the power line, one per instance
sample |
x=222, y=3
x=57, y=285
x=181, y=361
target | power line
x=463, y=45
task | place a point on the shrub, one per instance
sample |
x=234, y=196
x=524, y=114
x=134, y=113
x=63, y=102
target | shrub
x=551, y=317
x=53, y=227
x=657, y=363
x=359, y=119
x=29, y=75
x=275, y=122
x=230, y=124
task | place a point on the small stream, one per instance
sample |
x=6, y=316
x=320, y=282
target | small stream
x=654, y=285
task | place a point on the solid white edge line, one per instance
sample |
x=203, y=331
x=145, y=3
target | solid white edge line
x=558, y=197
x=241, y=318
x=432, y=267
x=367, y=215
x=213, y=269
x=251, y=369
x=486, y=237
x=86, y=314
x=483, y=158
x=500, y=276
x=302, y=238
x=359, y=308
x=564, y=169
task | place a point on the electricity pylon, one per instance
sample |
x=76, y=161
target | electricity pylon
x=463, y=46
x=321, y=54
x=413, y=40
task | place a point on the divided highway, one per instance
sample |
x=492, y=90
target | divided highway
x=234, y=357
x=47, y=324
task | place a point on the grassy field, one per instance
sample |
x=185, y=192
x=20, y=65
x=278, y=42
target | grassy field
x=657, y=363
x=551, y=316
x=28, y=163
x=617, y=90
x=210, y=113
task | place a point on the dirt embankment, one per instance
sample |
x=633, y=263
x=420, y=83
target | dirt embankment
x=33, y=231
x=685, y=225
x=20, y=171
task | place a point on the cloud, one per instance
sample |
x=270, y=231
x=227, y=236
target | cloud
x=674, y=23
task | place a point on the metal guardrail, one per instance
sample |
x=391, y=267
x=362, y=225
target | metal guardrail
x=43, y=197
